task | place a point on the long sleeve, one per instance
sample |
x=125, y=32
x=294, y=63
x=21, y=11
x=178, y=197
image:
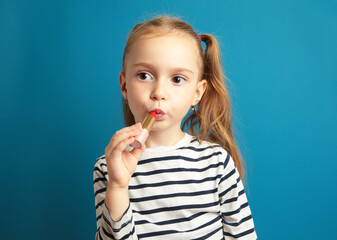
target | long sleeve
x=235, y=212
x=107, y=228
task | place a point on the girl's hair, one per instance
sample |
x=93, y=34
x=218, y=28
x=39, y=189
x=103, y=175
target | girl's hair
x=212, y=119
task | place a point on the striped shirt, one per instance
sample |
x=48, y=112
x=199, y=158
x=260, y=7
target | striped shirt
x=185, y=191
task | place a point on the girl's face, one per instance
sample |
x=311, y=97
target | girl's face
x=162, y=74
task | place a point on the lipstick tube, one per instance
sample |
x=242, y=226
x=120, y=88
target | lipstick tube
x=147, y=125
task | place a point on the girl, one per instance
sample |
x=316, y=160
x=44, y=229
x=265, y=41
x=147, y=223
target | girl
x=177, y=185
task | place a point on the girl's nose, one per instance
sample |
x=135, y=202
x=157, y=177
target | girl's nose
x=159, y=91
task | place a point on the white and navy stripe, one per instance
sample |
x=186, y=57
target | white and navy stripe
x=185, y=191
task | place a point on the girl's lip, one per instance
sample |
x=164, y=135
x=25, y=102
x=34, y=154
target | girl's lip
x=159, y=113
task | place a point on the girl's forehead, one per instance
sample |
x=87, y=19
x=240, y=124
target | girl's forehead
x=161, y=33
x=181, y=48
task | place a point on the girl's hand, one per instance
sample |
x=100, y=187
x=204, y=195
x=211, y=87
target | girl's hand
x=122, y=164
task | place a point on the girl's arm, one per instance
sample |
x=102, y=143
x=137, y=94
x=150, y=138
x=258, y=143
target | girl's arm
x=107, y=228
x=112, y=175
x=235, y=211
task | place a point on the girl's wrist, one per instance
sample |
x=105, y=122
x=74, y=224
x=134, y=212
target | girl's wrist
x=112, y=187
x=117, y=201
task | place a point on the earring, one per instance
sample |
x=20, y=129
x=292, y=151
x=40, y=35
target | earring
x=192, y=108
x=126, y=101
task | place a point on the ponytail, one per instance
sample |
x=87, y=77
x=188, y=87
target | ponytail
x=213, y=116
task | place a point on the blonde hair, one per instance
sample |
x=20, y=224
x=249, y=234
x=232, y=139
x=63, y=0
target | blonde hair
x=212, y=119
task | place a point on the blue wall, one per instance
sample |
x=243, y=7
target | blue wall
x=60, y=105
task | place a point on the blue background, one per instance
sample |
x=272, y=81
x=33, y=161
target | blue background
x=60, y=105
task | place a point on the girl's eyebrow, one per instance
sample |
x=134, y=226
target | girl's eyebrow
x=149, y=65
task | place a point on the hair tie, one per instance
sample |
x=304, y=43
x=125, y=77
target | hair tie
x=199, y=37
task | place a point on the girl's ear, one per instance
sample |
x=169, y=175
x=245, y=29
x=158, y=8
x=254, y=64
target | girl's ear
x=199, y=92
x=122, y=83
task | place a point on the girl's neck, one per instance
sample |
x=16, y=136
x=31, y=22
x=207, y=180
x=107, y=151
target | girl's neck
x=167, y=138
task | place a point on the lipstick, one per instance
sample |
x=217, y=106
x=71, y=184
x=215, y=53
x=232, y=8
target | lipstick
x=147, y=125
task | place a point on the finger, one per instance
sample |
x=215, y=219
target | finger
x=122, y=145
x=137, y=152
x=121, y=135
x=122, y=132
x=133, y=161
x=117, y=152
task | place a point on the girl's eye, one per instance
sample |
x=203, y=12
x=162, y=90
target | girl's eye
x=178, y=80
x=144, y=76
